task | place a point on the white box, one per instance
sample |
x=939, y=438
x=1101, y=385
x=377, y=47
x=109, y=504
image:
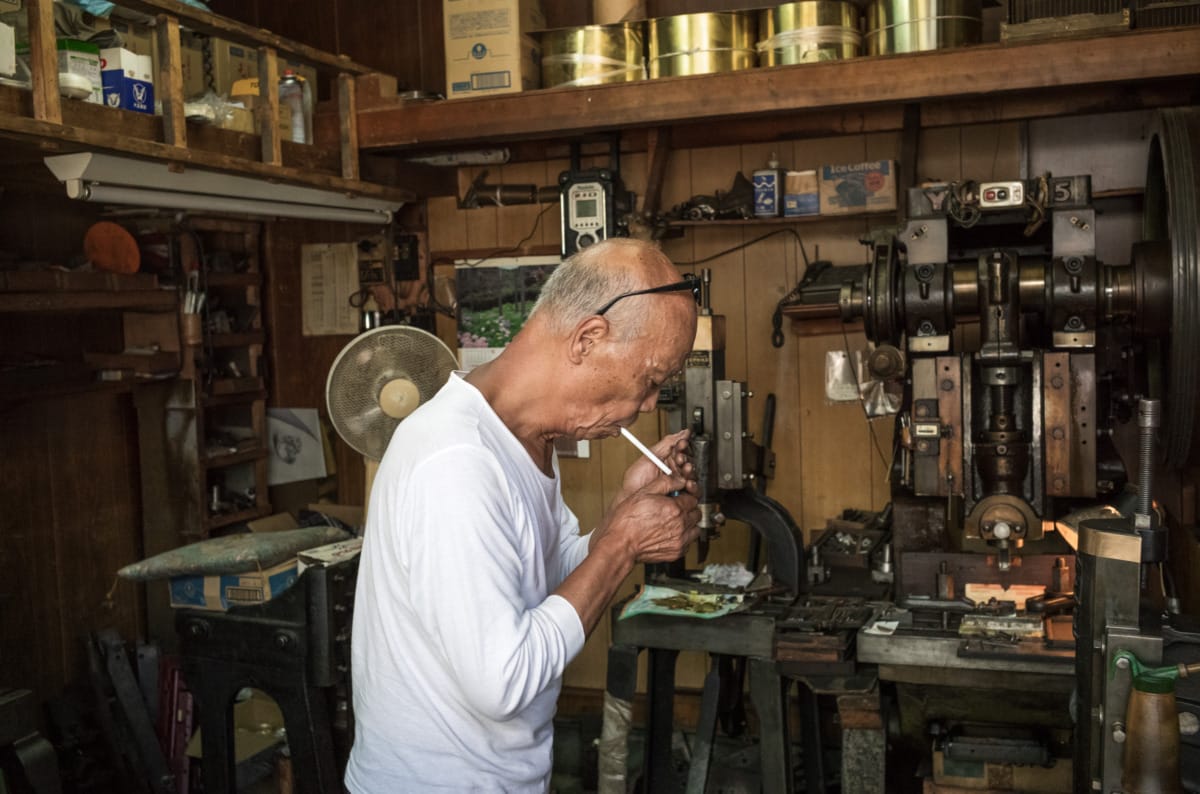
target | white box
x=8, y=50
x=329, y=554
x=82, y=58
x=488, y=46
x=128, y=80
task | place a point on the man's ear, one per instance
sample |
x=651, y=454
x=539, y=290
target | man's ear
x=586, y=335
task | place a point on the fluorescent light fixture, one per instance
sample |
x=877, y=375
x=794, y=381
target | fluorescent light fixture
x=109, y=179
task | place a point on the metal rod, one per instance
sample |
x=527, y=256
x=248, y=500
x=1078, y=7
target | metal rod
x=1149, y=418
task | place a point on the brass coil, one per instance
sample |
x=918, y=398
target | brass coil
x=701, y=44
x=808, y=31
x=593, y=55
x=895, y=26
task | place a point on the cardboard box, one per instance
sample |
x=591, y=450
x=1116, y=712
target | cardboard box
x=219, y=592
x=128, y=80
x=862, y=187
x=8, y=50
x=351, y=515
x=246, y=91
x=488, y=46
x=82, y=58
x=139, y=39
x=257, y=727
x=229, y=63
x=800, y=194
x=191, y=64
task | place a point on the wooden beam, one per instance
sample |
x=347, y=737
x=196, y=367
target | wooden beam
x=160, y=300
x=1024, y=69
x=909, y=143
x=268, y=106
x=203, y=21
x=347, y=125
x=170, y=81
x=126, y=123
x=116, y=142
x=43, y=56
x=375, y=89
x=1064, y=101
x=658, y=150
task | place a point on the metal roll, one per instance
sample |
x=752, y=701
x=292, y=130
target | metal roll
x=1170, y=210
x=914, y=25
x=809, y=31
x=593, y=55
x=701, y=44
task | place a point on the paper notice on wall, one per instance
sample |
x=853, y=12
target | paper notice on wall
x=840, y=383
x=329, y=277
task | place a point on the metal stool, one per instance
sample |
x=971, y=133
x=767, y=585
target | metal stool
x=294, y=648
x=23, y=751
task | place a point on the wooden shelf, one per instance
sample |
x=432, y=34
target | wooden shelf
x=234, y=458
x=234, y=279
x=40, y=117
x=234, y=398
x=890, y=214
x=49, y=389
x=225, y=519
x=237, y=340
x=162, y=362
x=986, y=83
x=144, y=300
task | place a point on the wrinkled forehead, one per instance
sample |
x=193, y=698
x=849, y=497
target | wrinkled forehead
x=668, y=336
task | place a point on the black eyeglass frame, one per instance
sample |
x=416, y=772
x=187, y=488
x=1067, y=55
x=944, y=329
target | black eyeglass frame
x=690, y=282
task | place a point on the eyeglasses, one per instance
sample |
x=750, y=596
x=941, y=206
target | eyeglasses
x=690, y=282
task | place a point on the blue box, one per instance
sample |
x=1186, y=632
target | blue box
x=128, y=80
x=219, y=592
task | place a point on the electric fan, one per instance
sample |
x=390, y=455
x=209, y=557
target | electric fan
x=379, y=379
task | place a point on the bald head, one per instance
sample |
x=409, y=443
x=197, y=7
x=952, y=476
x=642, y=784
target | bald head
x=592, y=277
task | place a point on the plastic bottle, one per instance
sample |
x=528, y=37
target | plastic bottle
x=296, y=95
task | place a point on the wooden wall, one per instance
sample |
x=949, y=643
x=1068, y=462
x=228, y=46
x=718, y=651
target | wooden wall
x=298, y=363
x=828, y=456
x=69, y=486
x=70, y=502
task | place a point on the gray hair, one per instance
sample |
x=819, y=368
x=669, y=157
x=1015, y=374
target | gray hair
x=591, y=277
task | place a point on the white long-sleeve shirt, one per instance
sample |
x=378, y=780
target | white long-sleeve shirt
x=458, y=644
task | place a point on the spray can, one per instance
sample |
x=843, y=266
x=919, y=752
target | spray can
x=295, y=94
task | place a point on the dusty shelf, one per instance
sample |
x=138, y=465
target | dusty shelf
x=986, y=83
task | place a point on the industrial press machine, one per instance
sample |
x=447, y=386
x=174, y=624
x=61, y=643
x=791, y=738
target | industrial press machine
x=1044, y=390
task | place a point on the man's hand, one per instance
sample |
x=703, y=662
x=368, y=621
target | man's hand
x=650, y=525
x=673, y=450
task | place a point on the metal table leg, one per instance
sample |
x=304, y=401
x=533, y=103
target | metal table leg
x=697, y=781
x=810, y=736
x=659, y=771
x=768, y=690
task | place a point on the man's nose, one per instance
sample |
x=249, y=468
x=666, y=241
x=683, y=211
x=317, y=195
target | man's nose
x=649, y=403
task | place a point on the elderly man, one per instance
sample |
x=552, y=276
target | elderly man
x=475, y=587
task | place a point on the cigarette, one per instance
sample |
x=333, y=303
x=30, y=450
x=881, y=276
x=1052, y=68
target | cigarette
x=646, y=451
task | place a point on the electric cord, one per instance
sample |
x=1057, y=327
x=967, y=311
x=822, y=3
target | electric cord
x=961, y=204
x=887, y=465
x=430, y=286
x=777, y=316
x=747, y=244
x=1037, y=205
